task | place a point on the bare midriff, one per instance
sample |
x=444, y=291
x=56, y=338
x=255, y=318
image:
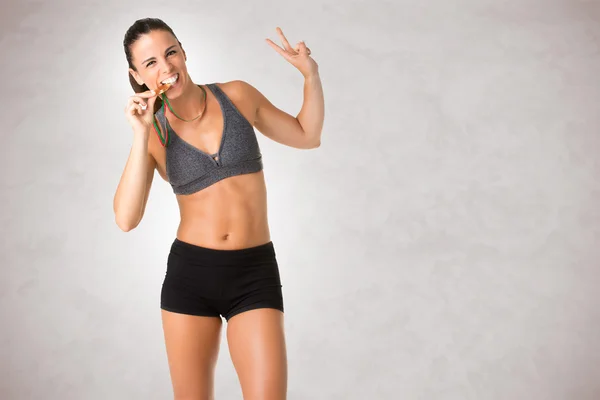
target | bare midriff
x=230, y=214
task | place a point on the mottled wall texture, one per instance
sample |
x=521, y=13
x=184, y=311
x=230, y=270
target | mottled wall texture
x=443, y=243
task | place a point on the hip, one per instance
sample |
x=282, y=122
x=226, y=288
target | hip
x=217, y=273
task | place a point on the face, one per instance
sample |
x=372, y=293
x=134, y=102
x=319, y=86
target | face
x=157, y=56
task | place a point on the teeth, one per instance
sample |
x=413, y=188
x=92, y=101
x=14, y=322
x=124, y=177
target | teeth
x=171, y=80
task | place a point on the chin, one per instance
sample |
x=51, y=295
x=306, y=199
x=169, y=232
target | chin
x=176, y=90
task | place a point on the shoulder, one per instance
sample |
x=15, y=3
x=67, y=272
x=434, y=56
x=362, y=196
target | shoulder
x=245, y=97
x=236, y=85
x=241, y=90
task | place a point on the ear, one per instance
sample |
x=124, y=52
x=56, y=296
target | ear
x=136, y=76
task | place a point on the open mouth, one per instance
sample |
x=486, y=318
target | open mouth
x=171, y=80
x=166, y=84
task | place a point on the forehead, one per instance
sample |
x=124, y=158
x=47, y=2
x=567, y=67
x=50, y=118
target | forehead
x=152, y=44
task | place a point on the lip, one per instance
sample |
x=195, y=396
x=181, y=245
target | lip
x=173, y=84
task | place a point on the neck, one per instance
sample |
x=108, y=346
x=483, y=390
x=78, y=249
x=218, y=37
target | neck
x=190, y=103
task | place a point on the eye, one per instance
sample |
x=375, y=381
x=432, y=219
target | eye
x=169, y=53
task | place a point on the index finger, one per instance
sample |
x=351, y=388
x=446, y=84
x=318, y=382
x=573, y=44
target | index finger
x=286, y=44
x=146, y=95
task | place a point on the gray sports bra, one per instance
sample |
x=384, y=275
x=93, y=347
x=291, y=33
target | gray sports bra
x=190, y=170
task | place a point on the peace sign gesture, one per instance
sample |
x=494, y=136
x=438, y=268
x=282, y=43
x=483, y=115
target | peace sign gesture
x=298, y=56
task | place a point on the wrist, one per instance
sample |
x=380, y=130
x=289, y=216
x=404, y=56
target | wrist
x=142, y=132
x=312, y=76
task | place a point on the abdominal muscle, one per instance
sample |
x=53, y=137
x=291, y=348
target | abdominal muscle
x=228, y=215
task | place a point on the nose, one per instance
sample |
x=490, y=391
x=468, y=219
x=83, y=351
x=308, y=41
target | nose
x=166, y=67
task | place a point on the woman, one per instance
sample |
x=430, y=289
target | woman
x=201, y=140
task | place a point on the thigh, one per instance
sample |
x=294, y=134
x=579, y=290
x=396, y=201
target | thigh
x=257, y=347
x=192, y=344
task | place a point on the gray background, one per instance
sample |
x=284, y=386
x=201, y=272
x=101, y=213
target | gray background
x=442, y=243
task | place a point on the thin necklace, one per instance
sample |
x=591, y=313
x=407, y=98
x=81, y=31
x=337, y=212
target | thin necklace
x=166, y=101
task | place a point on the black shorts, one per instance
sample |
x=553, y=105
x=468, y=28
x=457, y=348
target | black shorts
x=212, y=282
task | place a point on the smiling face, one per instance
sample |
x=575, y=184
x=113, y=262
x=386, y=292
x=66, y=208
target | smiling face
x=158, y=57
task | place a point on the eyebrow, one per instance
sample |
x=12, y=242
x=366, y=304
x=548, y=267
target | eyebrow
x=153, y=58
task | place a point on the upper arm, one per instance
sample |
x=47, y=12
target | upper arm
x=272, y=122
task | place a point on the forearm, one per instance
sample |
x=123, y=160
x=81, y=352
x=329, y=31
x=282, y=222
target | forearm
x=312, y=113
x=129, y=197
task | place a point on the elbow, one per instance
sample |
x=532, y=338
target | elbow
x=314, y=144
x=124, y=224
x=124, y=220
x=125, y=227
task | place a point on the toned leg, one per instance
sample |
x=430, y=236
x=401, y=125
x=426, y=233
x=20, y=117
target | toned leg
x=257, y=347
x=192, y=344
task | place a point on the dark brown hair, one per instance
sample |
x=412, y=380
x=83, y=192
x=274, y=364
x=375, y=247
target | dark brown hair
x=135, y=31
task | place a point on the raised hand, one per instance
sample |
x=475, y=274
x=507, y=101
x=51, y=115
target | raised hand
x=298, y=56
